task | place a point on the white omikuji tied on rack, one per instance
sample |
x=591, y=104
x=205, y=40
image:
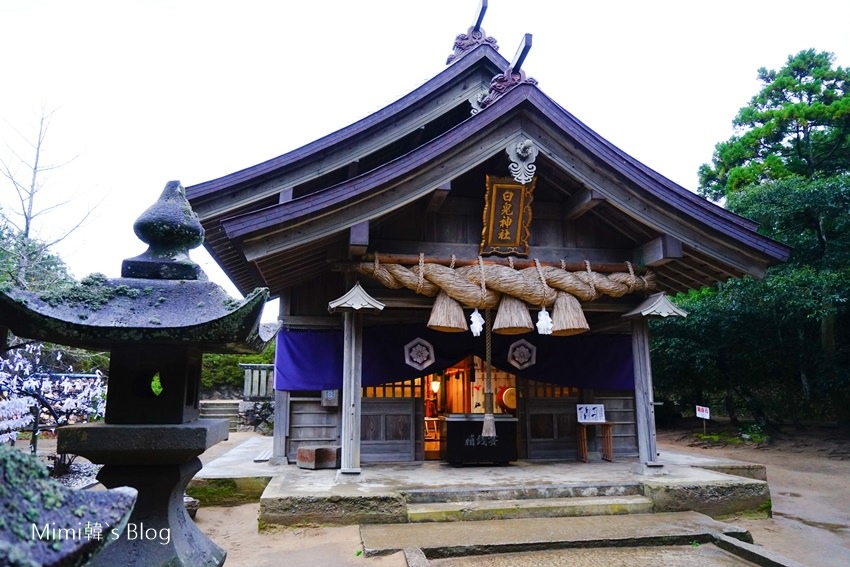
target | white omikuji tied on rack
x=476, y=323
x=544, y=322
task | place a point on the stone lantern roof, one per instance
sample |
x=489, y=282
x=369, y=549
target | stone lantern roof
x=162, y=296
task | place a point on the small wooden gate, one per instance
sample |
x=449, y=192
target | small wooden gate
x=550, y=420
x=391, y=422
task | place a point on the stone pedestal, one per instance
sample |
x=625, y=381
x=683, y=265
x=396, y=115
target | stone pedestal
x=158, y=461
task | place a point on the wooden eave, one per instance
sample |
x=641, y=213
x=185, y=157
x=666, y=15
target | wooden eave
x=453, y=86
x=282, y=245
x=627, y=185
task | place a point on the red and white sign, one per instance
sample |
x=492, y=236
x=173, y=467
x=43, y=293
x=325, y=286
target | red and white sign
x=703, y=412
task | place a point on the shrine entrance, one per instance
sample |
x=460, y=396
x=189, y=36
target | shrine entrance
x=407, y=420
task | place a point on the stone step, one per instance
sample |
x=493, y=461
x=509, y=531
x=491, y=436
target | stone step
x=221, y=409
x=573, y=490
x=229, y=404
x=528, y=508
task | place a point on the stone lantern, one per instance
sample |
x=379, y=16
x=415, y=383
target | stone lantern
x=156, y=320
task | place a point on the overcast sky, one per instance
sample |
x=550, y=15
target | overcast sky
x=145, y=92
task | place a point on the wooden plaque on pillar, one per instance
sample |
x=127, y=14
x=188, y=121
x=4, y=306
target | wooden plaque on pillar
x=507, y=217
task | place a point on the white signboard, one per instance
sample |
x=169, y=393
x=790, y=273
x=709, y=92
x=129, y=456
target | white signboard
x=591, y=413
x=703, y=412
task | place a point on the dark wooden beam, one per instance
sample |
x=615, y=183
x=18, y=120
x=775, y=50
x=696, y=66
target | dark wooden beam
x=438, y=197
x=518, y=263
x=358, y=239
x=546, y=254
x=580, y=203
x=658, y=252
x=311, y=322
x=353, y=169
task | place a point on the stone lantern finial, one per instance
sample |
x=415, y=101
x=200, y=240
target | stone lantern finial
x=170, y=228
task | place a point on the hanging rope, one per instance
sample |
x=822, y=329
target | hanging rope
x=483, y=302
x=488, y=429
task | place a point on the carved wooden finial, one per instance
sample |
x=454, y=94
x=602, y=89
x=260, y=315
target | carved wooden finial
x=473, y=37
x=504, y=82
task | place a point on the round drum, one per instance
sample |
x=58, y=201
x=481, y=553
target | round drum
x=506, y=398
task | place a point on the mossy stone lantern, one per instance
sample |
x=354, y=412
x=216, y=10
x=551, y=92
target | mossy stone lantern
x=156, y=320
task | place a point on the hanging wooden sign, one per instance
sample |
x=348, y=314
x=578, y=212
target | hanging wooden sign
x=507, y=217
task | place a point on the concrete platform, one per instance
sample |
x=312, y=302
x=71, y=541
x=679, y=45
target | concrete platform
x=390, y=493
x=384, y=500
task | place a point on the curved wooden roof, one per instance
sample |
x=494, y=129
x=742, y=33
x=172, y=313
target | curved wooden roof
x=273, y=224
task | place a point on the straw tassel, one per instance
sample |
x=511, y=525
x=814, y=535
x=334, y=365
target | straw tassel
x=567, y=316
x=513, y=317
x=447, y=315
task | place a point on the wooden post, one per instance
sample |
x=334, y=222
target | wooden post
x=644, y=408
x=281, y=403
x=281, y=427
x=351, y=383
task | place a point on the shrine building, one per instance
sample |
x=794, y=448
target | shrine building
x=466, y=274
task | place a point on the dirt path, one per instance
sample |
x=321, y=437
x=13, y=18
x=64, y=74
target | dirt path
x=809, y=477
x=235, y=529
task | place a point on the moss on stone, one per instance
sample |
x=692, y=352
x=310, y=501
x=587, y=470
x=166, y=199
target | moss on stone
x=227, y=491
x=92, y=293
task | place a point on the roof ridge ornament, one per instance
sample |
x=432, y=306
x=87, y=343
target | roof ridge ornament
x=502, y=83
x=474, y=36
x=522, y=155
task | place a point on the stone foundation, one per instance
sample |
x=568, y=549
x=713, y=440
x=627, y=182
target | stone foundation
x=713, y=498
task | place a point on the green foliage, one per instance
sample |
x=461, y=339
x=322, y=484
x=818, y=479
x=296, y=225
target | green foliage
x=756, y=348
x=223, y=369
x=761, y=348
x=808, y=214
x=775, y=349
x=28, y=263
x=797, y=125
x=156, y=385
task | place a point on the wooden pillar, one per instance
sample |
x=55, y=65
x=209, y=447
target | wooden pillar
x=352, y=359
x=644, y=407
x=281, y=404
x=351, y=304
x=281, y=427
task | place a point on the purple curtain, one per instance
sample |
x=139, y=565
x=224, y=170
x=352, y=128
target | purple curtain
x=312, y=360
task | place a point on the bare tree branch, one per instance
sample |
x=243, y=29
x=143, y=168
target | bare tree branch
x=31, y=254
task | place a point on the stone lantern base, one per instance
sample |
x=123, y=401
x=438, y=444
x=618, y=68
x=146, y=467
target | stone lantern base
x=158, y=461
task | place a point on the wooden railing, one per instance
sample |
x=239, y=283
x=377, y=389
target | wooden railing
x=259, y=381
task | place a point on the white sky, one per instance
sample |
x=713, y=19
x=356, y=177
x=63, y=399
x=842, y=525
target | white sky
x=149, y=91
